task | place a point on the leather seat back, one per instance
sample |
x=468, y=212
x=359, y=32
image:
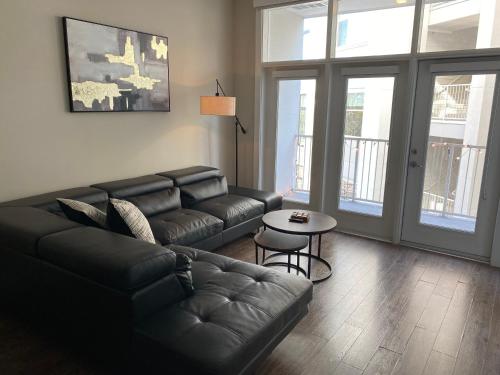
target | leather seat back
x=48, y=202
x=152, y=194
x=201, y=191
x=186, y=176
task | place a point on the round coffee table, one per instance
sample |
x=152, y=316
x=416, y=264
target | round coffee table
x=283, y=244
x=318, y=225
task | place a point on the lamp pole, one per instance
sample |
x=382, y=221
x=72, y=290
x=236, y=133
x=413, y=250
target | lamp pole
x=237, y=124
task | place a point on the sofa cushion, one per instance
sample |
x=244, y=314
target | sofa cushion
x=135, y=186
x=272, y=201
x=232, y=209
x=125, y=218
x=184, y=226
x=157, y=202
x=203, y=190
x=83, y=213
x=22, y=227
x=48, y=201
x=190, y=175
x=109, y=258
x=237, y=310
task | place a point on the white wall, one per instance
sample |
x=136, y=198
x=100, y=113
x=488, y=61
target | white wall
x=43, y=147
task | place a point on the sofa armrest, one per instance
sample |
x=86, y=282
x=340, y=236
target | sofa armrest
x=22, y=227
x=272, y=201
x=116, y=261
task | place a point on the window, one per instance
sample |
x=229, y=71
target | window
x=459, y=25
x=366, y=144
x=369, y=28
x=295, y=32
x=354, y=113
x=294, y=138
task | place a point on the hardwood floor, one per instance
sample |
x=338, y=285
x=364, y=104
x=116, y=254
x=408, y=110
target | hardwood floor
x=386, y=310
x=392, y=310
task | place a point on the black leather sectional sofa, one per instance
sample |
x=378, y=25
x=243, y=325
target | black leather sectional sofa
x=124, y=295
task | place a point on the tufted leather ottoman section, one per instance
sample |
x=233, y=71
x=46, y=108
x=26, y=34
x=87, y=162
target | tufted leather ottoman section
x=238, y=314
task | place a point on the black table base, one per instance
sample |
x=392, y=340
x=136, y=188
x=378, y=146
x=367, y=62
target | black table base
x=310, y=256
x=289, y=265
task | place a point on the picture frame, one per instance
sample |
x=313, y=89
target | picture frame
x=113, y=69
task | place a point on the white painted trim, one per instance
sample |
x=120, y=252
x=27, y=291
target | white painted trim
x=370, y=70
x=259, y=98
x=293, y=74
x=495, y=248
x=399, y=206
x=465, y=66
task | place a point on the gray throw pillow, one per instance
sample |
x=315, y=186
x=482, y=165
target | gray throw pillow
x=82, y=213
x=125, y=218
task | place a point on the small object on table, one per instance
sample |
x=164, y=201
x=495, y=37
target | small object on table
x=299, y=217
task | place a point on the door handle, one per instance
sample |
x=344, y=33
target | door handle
x=414, y=164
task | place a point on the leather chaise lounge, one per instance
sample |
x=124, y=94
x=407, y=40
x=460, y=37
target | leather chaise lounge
x=123, y=294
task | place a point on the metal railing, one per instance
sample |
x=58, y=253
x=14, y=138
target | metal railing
x=453, y=177
x=446, y=4
x=364, y=167
x=303, y=159
x=453, y=174
x=451, y=102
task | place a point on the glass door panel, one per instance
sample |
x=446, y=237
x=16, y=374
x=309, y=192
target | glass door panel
x=367, y=124
x=451, y=195
x=456, y=149
x=294, y=138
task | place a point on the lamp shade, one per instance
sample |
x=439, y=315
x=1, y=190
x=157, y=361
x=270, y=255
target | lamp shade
x=218, y=105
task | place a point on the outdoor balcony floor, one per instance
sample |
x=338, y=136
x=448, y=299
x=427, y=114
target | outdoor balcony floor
x=460, y=223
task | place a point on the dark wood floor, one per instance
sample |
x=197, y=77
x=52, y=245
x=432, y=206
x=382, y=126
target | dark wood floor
x=386, y=310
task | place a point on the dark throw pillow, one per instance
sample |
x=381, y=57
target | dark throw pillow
x=82, y=213
x=125, y=218
x=183, y=273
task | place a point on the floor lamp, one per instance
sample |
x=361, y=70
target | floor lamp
x=222, y=105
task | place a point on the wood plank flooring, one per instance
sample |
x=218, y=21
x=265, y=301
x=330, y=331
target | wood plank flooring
x=392, y=310
x=386, y=310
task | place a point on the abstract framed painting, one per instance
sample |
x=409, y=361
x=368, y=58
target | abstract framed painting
x=111, y=69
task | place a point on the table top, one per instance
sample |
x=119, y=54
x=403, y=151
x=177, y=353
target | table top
x=319, y=223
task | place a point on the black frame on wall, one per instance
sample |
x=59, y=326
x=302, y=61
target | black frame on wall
x=68, y=69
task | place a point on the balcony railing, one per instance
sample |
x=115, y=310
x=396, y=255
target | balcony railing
x=453, y=179
x=451, y=102
x=452, y=176
x=364, y=169
x=303, y=158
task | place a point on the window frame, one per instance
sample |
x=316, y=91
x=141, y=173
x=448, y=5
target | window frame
x=327, y=110
x=331, y=39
